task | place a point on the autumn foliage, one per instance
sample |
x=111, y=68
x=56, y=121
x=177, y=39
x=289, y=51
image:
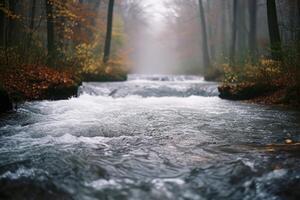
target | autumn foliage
x=267, y=82
x=78, y=41
x=31, y=82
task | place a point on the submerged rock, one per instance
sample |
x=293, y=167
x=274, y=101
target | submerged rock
x=31, y=189
x=288, y=141
x=61, y=92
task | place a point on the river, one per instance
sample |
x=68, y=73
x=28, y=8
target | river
x=152, y=137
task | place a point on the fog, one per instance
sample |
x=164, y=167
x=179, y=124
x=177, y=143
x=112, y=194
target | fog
x=153, y=52
x=168, y=40
x=169, y=36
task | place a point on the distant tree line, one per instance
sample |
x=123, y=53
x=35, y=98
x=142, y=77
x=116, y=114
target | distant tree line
x=235, y=31
x=80, y=32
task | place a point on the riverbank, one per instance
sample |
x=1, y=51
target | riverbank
x=32, y=82
x=267, y=94
x=267, y=82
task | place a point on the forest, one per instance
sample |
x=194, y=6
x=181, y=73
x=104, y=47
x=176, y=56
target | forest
x=149, y=99
x=250, y=46
x=49, y=47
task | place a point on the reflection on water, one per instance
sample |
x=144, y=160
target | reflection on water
x=153, y=137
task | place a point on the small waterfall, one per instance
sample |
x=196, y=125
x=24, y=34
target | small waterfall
x=167, y=78
x=153, y=86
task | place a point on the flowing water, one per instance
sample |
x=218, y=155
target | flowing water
x=152, y=137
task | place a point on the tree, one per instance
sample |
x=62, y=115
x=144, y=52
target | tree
x=32, y=16
x=206, y=58
x=109, y=27
x=253, y=29
x=241, y=29
x=274, y=30
x=11, y=23
x=2, y=22
x=96, y=7
x=298, y=5
x=31, y=25
x=224, y=27
x=212, y=30
x=50, y=32
x=234, y=33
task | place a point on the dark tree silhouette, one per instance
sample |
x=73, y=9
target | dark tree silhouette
x=50, y=33
x=298, y=6
x=11, y=24
x=32, y=16
x=234, y=33
x=2, y=22
x=31, y=25
x=206, y=58
x=253, y=29
x=224, y=27
x=241, y=28
x=274, y=30
x=109, y=27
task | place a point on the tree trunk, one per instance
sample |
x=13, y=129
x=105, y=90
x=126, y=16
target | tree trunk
x=11, y=24
x=241, y=29
x=97, y=4
x=298, y=6
x=109, y=27
x=50, y=33
x=234, y=31
x=2, y=23
x=223, y=30
x=298, y=33
x=253, y=30
x=31, y=25
x=206, y=58
x=274, y=30
x=96, y=7
x=212, y=32
x=32, y=17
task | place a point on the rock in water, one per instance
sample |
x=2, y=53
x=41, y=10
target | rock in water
x=289, y=141
x=5, y=102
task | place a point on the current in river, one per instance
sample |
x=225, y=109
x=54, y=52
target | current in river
x=153, y=138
